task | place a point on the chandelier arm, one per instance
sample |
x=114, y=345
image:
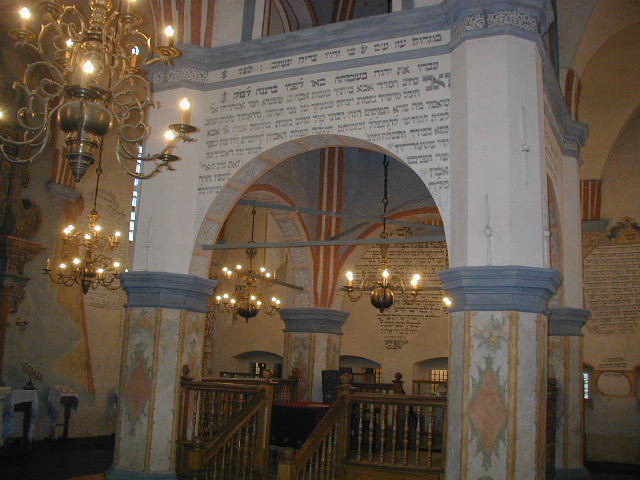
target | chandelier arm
x=407, y=298
x=73, y=10
x=140, y=176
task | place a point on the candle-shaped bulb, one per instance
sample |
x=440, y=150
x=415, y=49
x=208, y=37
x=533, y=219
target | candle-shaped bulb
x=447, y=301
x=253, y=298
x=277, y=302
x=225, y=296
x=218, y=298
x=238, y=267
x=169, y=135
x=69, y=43
x=233, y=301
x=24, y=13
x=169, y=31
x=63, y=266
x=116, y=265
x=135, y=52
x=87, y=67
x=414, y=280
x=100, y=271
x=87, y=236
x=268, y=275
x=76, y=261
x=117, y=235
x=97, y=228
x=185, y=106
x=385, y=273
x=273, y=299
x=349, y=275
x=262, y=269
x=258, y=303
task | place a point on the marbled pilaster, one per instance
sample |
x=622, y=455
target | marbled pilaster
x=497, y=371
x=312, y=344
x=164, y=330
x=565, y=365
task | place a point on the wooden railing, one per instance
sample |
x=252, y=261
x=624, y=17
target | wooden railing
x=398, y=431
x=429, y=387
x=321, y=456
x=284, y=389
x=389, y=431
x=396, y=386
x=223, y=430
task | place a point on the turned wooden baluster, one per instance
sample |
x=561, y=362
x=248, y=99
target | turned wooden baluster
x=360, y=415
x=405, y=443
x=394, y=432
x=372, y=417
x=430, y=437
x=419, y=423
x=383, y=429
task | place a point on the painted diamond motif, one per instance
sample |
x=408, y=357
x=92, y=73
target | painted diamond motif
x=488, y=412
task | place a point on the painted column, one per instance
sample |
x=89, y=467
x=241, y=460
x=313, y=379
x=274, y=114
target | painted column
x=163, y=330
x=497, y=371
x=312, y=344
x=565, y=365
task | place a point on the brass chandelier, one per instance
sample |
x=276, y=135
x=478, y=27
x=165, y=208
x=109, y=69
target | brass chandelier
x=87, y=259
x=86, y=77
x=246, y=301
x=382, y=287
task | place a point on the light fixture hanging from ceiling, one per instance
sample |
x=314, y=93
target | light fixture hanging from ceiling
x=86, y=76
x=382, y=287
x=86, y=258
x=246, y=301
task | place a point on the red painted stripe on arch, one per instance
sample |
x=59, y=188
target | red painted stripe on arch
x=208, y=30
x=196, y=21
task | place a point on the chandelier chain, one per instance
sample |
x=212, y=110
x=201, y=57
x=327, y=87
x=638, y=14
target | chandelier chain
x=385, y=199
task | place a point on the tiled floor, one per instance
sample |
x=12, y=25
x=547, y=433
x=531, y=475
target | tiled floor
x=60, y=460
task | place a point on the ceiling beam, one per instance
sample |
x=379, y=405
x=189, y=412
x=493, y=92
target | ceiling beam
x=313, y=211
x=325, y=243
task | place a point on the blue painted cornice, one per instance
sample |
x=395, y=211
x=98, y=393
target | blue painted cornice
x=167, y=290
x=500, y=288
x=313, y=320
x=466, y=18
x=567, y=321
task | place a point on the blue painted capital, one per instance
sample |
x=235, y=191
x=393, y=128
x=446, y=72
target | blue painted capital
x=167, y=290
x=500, y=288
x=567, y=321
x=314, y=320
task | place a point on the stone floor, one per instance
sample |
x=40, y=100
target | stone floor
x=61, y=460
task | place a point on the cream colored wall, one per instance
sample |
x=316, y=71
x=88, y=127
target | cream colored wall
x=612, y=424
x=262, y=333
x=72, y=339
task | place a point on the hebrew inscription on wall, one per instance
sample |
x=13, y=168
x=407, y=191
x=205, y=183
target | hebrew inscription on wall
x=399, y=323
x=612, y=289
x=402, y=106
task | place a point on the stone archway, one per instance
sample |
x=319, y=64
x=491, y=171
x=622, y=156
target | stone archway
x=238, y=184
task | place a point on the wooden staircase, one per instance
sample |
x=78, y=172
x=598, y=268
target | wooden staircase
x=224, y=433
